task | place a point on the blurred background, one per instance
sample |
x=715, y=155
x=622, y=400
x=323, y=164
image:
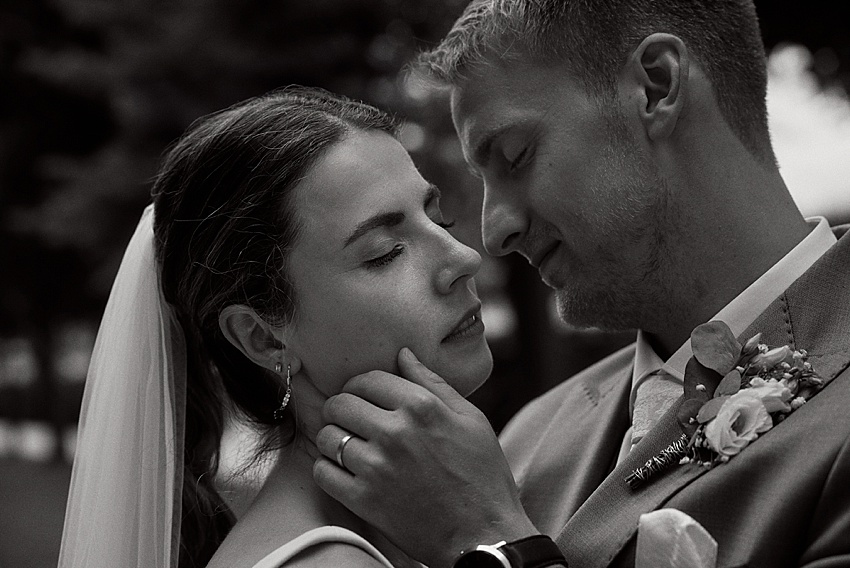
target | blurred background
x=92, y=91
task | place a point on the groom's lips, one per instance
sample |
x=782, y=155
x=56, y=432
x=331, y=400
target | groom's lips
x=538, y=259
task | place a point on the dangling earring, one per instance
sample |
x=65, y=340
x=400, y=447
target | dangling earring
x=278, y=413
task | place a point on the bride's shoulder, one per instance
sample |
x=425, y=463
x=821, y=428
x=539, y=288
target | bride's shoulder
x=325, y=546
x=333, y=554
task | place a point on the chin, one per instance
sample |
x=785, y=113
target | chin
x=467, y=376
x=602, y=310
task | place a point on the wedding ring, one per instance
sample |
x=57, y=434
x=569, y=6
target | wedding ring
x=339, y=450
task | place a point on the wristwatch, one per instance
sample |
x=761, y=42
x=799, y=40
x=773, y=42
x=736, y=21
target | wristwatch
x=531, y=552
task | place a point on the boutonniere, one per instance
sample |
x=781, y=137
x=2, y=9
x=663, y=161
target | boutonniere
x=733, y=394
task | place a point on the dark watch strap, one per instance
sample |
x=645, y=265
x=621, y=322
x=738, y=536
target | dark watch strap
x=534, y=552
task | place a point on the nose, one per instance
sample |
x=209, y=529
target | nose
x=460, y=263
x=502, y=223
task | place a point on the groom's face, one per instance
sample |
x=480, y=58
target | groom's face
x=567, y=187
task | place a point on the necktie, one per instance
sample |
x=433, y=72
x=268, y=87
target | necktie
x=653, y=396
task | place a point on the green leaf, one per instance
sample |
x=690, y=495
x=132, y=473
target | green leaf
x=730, y=384
x=710, y=409
x=715, y=346
x=696, y=375
x=687, y=411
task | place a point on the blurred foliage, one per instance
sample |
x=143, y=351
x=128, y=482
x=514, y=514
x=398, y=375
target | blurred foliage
x=101, y=88
x=93, y=91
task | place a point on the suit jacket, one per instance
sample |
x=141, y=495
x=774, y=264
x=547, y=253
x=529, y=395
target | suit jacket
x=783, y=501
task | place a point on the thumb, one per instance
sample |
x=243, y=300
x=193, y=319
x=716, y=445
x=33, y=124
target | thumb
x=413, y=370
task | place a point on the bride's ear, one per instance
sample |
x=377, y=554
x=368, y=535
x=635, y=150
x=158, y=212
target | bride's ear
x=254, y=337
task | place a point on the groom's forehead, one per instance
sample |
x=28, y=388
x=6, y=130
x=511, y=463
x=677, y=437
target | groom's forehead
x=472, y=129
x=486, y=107
x=490, y=91
x=478, y=108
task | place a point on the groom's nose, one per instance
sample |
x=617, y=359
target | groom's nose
x=503, y=224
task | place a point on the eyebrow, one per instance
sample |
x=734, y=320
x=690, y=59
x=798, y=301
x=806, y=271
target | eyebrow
x=389, y=219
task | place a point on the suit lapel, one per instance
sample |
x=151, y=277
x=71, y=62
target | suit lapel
x=599, y=454
x=583, y=453
x=608, y=519
x=813, y=314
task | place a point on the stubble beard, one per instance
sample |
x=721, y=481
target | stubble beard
x=617, y=293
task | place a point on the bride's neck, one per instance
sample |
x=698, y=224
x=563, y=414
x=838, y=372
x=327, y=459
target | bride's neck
x=287, y=505
x=290, y=488
x=290, y=504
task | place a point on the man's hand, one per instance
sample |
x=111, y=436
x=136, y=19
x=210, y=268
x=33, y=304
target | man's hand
x=423, y=465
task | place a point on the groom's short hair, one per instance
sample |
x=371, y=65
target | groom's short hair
x=592, y=39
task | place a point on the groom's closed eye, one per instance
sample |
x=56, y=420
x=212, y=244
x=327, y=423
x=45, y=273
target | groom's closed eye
x=432, y=201
x=483, y=148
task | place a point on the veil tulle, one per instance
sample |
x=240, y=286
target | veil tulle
x=124, y=502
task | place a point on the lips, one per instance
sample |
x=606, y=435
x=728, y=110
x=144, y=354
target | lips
x=470, y=319
x=538, y=259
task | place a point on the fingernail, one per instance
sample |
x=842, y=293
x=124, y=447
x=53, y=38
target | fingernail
x=407, y=354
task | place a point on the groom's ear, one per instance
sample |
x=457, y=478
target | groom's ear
x=251, y=335
x=654, y=83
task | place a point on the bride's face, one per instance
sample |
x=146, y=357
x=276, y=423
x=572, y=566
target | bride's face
x=374, y=271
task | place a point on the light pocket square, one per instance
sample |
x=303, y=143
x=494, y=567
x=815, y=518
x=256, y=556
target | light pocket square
x=669, y=538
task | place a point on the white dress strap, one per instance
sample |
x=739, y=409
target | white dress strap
x=316, y=536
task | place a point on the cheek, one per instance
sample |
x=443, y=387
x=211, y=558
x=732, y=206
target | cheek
x=562, y=194
x=347, y=333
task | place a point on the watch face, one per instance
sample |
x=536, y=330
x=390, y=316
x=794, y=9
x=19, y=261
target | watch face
x=478, y=559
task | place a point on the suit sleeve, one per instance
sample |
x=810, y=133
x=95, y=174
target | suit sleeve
x=830, y=530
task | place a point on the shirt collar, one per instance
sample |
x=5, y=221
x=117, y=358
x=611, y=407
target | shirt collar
x=748, y=305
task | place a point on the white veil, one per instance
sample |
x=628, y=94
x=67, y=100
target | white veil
x=124, y=503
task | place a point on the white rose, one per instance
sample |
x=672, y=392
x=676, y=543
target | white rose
x=773, y=394
x=738, y=422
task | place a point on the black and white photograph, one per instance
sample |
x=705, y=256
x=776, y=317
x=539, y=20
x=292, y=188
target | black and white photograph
x=424, y=284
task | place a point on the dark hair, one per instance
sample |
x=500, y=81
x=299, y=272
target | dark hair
x=225, y=221
x=592, y=39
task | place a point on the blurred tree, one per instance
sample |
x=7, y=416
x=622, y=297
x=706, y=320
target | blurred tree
x=820, y=25
x=97, y=90
x=43, y=281
x=93, y=91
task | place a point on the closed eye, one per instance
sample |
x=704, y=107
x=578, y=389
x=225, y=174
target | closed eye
x=385, y=259
x=432, y=201
x=518, y=161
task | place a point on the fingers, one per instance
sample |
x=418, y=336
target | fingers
x=382, y=389
x=340, y=445
x=414, y=371
x=348, y=452
x=334, y=480
x=373, y=403
x=414, y=387
x=356, y=415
